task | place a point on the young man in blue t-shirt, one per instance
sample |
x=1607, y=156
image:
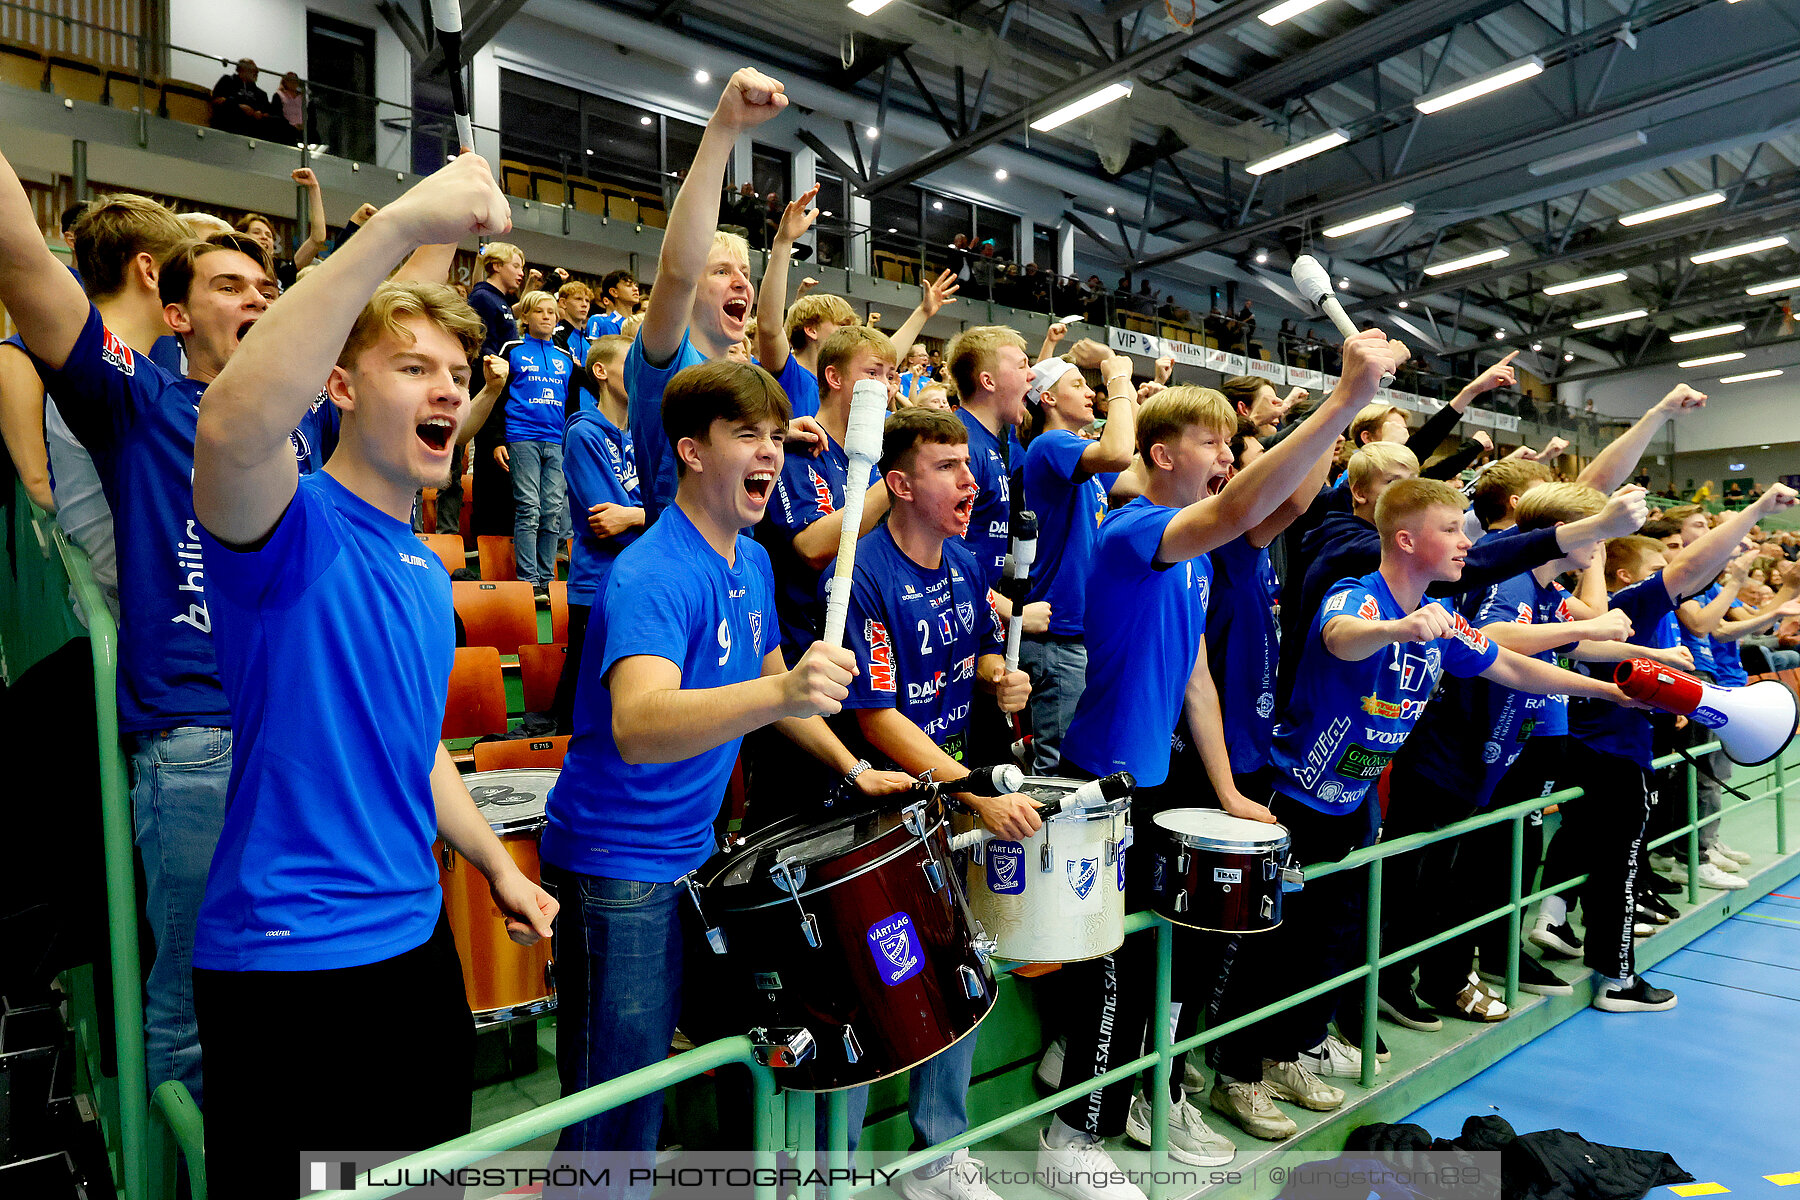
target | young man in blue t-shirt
x=1610, y=750
x=605, y=505
x=537, y=390
x=1067, y=478
x=992, y=375
x=925, y=639
x=1145, y=634
x=618, y=300
x=691, y=663
x=323, y=895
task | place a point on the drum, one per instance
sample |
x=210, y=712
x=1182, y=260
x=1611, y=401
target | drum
x=1058, y=896
x=504, y=980
x=1211, y=870
x=845, y=948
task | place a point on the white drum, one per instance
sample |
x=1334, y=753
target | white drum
x=1058, y=896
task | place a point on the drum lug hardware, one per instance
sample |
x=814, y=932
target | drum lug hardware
x=715, y=937
x=1181, y=901
x=1112, y=851
x=1292, y=878
x=914, y=817
x=809, y=924
x=448, y=856
x=852, y=1047
x=784, y=1047
x=1270, y=869
x=1181, y=862
x=973, y=988
x=1044, y=856
x=934, y=874
x=984, y=944
x=1268, y=907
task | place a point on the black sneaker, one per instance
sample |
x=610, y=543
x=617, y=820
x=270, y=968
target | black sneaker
x=1560, y=940
x=1647, y=915
x=1657, y=904
x=1404, y=1008
x=1354, y=1037
x=1534, y=977
x=1662, y=885
x=1639, y=997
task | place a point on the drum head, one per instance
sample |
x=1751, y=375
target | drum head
x=803, y=846
x=511, y=801
x=1215, y=829
x=1045, y=788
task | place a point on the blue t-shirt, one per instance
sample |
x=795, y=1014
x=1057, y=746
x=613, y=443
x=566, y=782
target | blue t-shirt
x=644, y=384
x=1700, y=645
x=910, y=383
x=801, y=386
x=916, y=633
x=604, y=324
x=1069, y=507
x=1143, y=630
x=1345, y=720
x=1477, y=712
x=316, y=437
x=807, y=489
x=137, y=421
x=1608, y=728
x=335, y=640
x=1243, y=650
x=169, y=354
x=673, y=596
x=537, y=389
x=988, y=524
x=599, y=468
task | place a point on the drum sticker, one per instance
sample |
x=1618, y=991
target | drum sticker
x=1228, y=875
x=1082, y=874
x=1121, y=861
x=895, y=949
x=1006, y=868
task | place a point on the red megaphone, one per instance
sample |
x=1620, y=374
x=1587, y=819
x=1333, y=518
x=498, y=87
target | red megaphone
x=1753, y=724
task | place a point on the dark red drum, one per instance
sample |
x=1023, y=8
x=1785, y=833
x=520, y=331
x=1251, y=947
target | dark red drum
x=845, y=948
x=1211, y=870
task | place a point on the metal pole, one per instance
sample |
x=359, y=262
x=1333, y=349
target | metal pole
x=78, y=169
x=768, y=1125
x=1516, y=888
x=1371, y=981
x=143, y=104
x=1781, y=840
x=1693, y=833
x=1161, y=1038
x=837, y=1140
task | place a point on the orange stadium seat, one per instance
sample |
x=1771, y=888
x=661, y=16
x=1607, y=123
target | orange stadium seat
x=501, y=615
x=185, y=102
x=540, y=670
x=477, y=700
x=497, y=559
x=77, y=80
x=448, y=547
x=22, y=68
x=521, y=754
x=559, y=611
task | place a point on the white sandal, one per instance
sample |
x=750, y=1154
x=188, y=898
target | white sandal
x=1477, y=1003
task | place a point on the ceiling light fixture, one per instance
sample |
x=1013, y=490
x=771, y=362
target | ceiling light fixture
x=1711, y=359
x=1481, y=85
x=1499, y=335
x=1747, y=378
x=1262, y=256
x=1386, y=216
x=1582, y=285
x=1343, y=285
x=1286, y=9
x=1404, y=304
x=1694, y=335
x=1083, y=106
x=937, y=206
x=1536, y=346
x=1568, y=358
x=641, y=121
x=1469, y=260
x=702, y=77
x=1611, y=319
x=1329, y=140
x=871, y=133
x=1673, y=209
x=1742, y=248
x=1779, y=285
x=864, y=7
x=1574, y=158
x=1000, y=174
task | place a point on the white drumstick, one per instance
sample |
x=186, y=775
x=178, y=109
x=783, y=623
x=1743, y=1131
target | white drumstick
x=1315, y=285
x=446, y=15
x=862, y=440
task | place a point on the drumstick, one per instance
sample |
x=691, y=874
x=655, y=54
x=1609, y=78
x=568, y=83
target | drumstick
x=862, y=440
x=446, y=15
x=1089, y=795
x=1315, y=285
x=1018, y=578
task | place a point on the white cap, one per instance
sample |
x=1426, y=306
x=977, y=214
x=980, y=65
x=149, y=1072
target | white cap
x=1044, y=377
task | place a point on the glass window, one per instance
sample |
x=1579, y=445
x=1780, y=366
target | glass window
x=772, y=170
x=1002, y=229
x=894, y=220
x=681, y=142
x=1043, y=247
x=833, y=222
x=621, y=147
x=945, y=217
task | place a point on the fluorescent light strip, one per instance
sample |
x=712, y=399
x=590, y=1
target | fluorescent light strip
x=1299, y=150
x=1082, y=107
x=1711, y=359
x=1582, y=285
x=1673, y=209
x=1574, y=158
x=1286, y=9
x=1481, y=85
x=1611, y=319
x=1792, y=283
x=1747, y=378
x=865, y=7
x=1694, y=335
x=1469, y=260
x=1386, y=216
x=1742, y=248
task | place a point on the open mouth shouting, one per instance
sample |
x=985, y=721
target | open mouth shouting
x=737, y=310
x=757, y=484
x=436, y=433
x=245, y=329
x=965, y=511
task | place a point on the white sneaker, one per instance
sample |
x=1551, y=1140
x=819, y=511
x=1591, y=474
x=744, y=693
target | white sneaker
x=1050, y=1067
x=1248, y=1106
x=1736, y=856
x=1191, y=1140
x=1335, y=1057
x=1719, y=881
x=1721, y=860
x=961, y=1180
x=1192, y=1080
x=1292, y=1082
x=1083, y=1170
x=1664, y=862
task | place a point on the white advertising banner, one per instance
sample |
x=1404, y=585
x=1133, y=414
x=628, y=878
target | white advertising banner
x=1272, y=371
x=1130, y=341
x=1505, y=423
x=1301, y=377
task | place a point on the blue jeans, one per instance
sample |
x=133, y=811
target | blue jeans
x=937, y=1096
x=1058, y=672
x=178, y=780
x=540, y=503
x=619, y=976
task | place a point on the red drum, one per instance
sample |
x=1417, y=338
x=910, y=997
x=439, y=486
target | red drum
x=844, y=948
x=504, y=980
x=1211, y=870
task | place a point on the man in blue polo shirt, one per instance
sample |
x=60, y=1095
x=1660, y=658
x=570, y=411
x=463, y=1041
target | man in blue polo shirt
x=992, y=375
x=617, y=300
x=537, y=391
x=691, y=663
x=323, y=895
